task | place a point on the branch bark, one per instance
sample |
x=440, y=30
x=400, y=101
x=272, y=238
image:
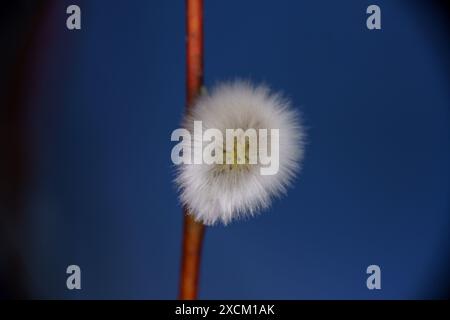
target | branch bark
x=193, y=231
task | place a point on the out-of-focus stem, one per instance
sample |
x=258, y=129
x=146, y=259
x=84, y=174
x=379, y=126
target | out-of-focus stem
x=190, y=265
x=192, y=231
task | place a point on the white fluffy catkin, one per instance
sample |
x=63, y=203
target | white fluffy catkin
x=214, y=195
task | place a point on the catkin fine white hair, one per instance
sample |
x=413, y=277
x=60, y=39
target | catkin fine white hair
x=215, y=193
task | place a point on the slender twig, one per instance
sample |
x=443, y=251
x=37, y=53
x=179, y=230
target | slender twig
x=192, y=230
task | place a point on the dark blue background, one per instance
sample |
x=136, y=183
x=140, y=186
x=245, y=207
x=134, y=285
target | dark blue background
x=375, y=182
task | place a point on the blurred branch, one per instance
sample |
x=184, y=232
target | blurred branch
x=192, y=231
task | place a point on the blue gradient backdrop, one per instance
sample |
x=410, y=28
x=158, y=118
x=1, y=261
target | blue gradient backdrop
x=375, y=182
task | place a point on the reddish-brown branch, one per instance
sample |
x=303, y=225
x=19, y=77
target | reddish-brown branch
x=192, y=231
x=194, y=49
x=190, y=265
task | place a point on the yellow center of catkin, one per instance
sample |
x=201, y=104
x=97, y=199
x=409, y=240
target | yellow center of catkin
x=232, y=158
